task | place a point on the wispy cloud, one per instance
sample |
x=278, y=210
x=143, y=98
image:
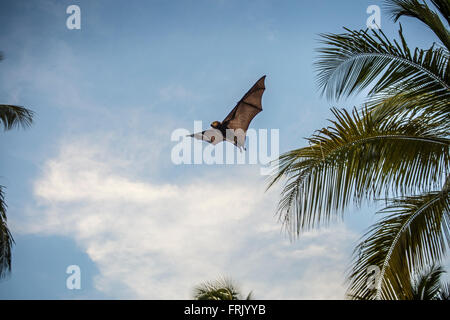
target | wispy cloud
x=157, y=240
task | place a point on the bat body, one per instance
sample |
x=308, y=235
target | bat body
x=234, y=127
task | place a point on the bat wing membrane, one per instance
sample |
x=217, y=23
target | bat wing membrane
x=247, y=108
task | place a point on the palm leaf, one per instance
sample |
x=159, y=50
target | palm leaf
x=444, y=8
x=360, y=158
x=428, y=107
x=427, y=284
x=444, y=293
x=15, y=116
x=10, y=116
x=6, y=239
x=356, y=60
x=420, y=10
x=222, y=289
x=413, y=235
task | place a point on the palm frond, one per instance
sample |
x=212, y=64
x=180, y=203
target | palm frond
x=428, y=107
x=6, y=239
x=444, y=8
x=421, y=11
x=357, y=60
x=413, y=235
x=15, y=116
x=358, y=157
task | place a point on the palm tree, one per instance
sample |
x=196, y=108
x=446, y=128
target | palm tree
x=10, y=117
x=222, y=289
x=395, y=147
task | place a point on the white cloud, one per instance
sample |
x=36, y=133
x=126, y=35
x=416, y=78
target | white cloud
x=153, y=240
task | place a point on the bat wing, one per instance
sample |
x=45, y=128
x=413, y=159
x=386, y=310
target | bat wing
x=213, y=136
x=247, y=108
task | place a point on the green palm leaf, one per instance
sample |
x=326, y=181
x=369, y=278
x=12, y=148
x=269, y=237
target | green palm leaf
x=429, y=108
x=427, y=285
x=15, y=116
x=444, y=293
x=413, y=235
x=222, y=289
x=358, y=158
x=356, y=60
x=444, y=8
x=6, y=239
x=422, y=12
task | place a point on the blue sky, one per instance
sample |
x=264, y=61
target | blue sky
x=91, y=183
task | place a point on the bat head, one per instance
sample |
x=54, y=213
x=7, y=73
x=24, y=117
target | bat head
x=215, y=124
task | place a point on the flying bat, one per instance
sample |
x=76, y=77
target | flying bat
x=234, y=127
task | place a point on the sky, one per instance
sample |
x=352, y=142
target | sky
x=92, y=183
